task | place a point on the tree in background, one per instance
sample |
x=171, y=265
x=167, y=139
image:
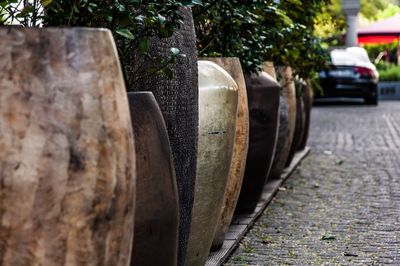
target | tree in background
x=258, y=30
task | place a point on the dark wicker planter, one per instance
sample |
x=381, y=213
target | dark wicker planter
x=178, y=101
x=67, y=153
x=263, y=95
x=157, y=207
x=236, y=172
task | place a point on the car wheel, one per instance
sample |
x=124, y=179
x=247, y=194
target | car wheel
x=371, y=100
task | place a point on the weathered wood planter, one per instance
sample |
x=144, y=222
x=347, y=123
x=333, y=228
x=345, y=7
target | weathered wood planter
x=236, y=172
x=308, y=98
x=300, y=122
x=157, y=206
x=67, y=154
x=178, y=100
x=263, y=92
x=218, y=100
x=289, y=94
x=269, y=68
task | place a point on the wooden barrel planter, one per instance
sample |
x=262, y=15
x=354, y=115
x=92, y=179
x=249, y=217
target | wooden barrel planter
x=289, y=94
x=67, y=153
x=236, y=173
x=300, y=122
x=308, y=98
x=178, y=101
x=263, y=92
x=157, y=207
x=269, y=68
x=218, y=100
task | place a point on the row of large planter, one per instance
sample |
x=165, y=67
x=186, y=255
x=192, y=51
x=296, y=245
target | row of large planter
x=91, y=175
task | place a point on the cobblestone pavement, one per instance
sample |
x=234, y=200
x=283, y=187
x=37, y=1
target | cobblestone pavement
x=342, y=206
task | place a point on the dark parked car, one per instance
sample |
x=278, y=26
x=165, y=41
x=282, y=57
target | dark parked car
x=350, y=74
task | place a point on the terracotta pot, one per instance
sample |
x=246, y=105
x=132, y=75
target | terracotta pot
x=236, y=173
x=308, y=98
x=289, y=94
x=218, y=100
x=157, y=206
x=178, y=101
x=300, y=122
x=67, y=152
x=263, y=92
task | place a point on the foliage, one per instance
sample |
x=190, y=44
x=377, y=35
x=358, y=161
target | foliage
x=235, y=28
x=260, y=30
x=374, y=51
x=330, y=24
x=388, y=12
x=391, y=73
x=133, y=22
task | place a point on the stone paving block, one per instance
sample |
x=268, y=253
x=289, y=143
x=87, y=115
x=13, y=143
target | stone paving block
x=342, y=206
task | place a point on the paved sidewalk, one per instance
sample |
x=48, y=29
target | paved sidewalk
x=342, y=206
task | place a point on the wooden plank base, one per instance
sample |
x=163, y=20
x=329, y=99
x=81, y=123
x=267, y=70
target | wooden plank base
x=242, y=223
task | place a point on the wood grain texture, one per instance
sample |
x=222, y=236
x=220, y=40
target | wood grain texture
x=269, y=68
x=236, y=173
x=157, y=206
x=300, y=123
x=308, y=98
x=289, y=94
x=67, y=164
x=263, y=92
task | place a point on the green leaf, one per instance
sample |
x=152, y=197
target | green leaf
x=168, y=72
x=144, y=45
x=328, y=237
x=295, y=2
x=25, y=12
x=125, y=33
x=46, y=2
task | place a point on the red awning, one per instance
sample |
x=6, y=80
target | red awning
x=376, y=39
x=383, y=31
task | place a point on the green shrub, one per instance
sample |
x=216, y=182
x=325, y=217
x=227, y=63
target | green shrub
x=132, y=22
x=262, y=30
x=392, y=73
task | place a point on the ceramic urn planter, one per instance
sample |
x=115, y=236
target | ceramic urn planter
x=236, y=173
x=157, y=208
x=263, y=95
x=67, y=153
x=289, y=95
x=308, y=98
x=300, y=122
x=218, y=100
x=178, y=101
